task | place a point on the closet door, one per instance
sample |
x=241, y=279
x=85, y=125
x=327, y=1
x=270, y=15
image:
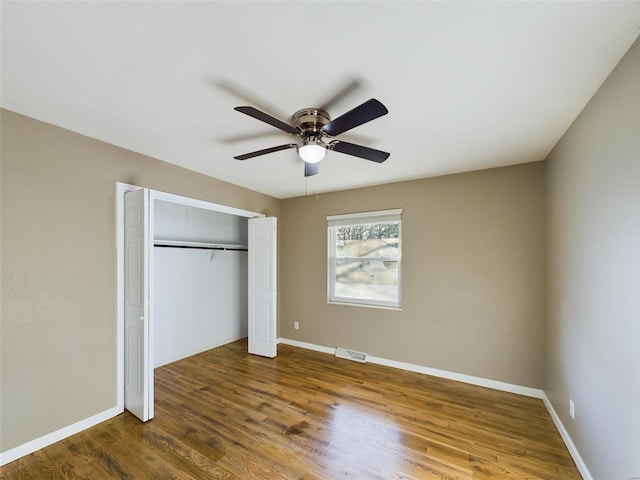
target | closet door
x=138, y=394
x=262, y=286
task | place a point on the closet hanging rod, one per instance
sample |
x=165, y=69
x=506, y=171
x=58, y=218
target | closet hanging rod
x=199, y=245
x=204, y=248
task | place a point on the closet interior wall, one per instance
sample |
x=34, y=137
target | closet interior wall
x=199, y=292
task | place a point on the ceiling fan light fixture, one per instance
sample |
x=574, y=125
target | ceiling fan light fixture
x=312, y=150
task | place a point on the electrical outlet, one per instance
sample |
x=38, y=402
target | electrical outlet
x=296, y=325
x=572, y=409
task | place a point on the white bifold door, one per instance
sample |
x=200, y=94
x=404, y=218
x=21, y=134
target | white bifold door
x=262, y=287
x=138, y=317
x=138, y=365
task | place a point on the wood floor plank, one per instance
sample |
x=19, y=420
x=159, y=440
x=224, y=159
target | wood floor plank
x=228, y=415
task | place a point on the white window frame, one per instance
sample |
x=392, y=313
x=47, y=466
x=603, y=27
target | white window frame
x=361, y=218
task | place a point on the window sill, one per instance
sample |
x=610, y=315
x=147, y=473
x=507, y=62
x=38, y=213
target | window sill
x=365, y=305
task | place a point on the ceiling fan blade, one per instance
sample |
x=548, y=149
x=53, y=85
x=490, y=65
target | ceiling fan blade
x=359, y=151
x=237, y=90
x=369, y=110
x=354, y=84
x=243, y=137
x=311, y=169
x=266, y=118
x=265, y=151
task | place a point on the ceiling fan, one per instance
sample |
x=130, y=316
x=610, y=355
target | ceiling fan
x=313, y=126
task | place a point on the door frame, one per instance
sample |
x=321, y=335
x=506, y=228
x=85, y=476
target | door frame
x=121, y=189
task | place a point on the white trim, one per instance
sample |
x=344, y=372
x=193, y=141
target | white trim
x=352, y=303
x=149, y=253
x=53, y=437
x=577, y=458
x=194, y=202
x=459, y=377
x=348, y=218
x=121, y=189
x=308, y=346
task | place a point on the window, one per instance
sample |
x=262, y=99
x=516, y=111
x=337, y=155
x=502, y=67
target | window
x=364, y=258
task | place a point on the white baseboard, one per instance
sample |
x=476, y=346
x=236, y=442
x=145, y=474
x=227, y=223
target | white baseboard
x=308, y=346
x=53, y=437
x=582, y=467
x=459, y=377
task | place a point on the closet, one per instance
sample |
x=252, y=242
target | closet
x=192, y=275
x=199, y=297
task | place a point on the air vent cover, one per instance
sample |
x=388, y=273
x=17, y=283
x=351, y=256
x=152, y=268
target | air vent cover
x=351, y=355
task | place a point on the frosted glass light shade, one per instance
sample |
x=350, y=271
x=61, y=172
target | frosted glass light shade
x=312, y=153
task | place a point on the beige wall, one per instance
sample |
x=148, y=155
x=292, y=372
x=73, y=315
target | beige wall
x=593, y=276
x=58, y=330
x=472, y=274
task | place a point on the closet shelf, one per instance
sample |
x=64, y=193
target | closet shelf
x=200, y=245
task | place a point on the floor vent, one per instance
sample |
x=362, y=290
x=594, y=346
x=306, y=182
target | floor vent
x=351, y=355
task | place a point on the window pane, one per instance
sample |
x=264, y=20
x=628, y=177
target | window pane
x=368, y=240
x=369, y=279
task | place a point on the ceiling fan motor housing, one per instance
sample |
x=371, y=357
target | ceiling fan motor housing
x=311, y=120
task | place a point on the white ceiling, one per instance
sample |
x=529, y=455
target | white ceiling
x=468, y=85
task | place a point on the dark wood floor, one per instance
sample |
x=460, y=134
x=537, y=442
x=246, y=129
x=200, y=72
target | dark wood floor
x=225, y=414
